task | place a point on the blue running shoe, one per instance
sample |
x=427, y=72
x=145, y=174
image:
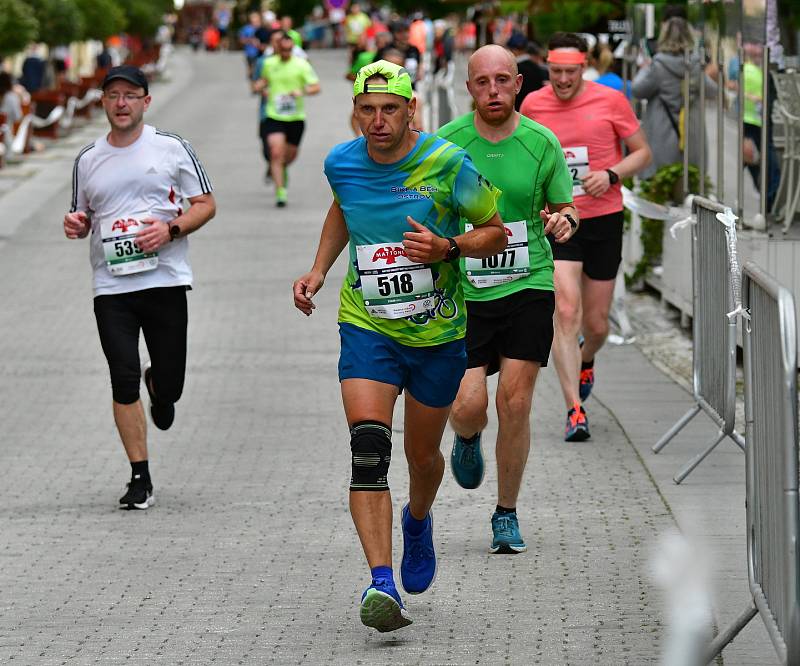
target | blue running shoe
x=466, y=461
x=577, y=429
x=507, y=539
x=418, y=566
x=586, y=383
x=382, y=609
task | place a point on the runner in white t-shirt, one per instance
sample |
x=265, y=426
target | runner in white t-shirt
x=128, y=189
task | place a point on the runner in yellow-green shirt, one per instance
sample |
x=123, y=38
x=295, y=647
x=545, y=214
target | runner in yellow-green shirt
x=509, y=296
x=285, y=80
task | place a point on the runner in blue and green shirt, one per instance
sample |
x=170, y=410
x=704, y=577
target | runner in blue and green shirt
x=398, y=198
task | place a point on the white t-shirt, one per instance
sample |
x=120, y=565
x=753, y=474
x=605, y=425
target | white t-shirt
x=150, y=178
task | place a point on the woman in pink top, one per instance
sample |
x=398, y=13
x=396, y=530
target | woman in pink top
x=591, y=121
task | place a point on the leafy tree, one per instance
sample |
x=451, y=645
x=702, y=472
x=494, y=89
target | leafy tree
x=145, y=16
x=102, y=18
x=60, y=21
x=297, y=9
x=18, y=26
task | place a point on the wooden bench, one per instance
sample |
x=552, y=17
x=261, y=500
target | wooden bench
x=49, y=107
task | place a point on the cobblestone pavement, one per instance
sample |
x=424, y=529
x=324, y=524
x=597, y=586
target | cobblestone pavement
x=249, y=555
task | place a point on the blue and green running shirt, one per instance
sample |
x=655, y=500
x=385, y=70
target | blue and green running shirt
x=419, y=305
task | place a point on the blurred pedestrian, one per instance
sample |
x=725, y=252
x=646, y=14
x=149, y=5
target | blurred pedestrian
x=533, y=76
x=661, y=82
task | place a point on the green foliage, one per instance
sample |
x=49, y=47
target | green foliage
x=102, y=18
x=665, y=186
x=431, y=8
x=60, y=21
x=297, y=9
x=572, y=16
x=18, y=26
x=145, y=16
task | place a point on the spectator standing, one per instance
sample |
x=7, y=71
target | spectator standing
x=222, y=20
x=661, y=83
x=287, y=27
x=10, y=103
x=253, y=37
x=602, y=59
x=355, y=25
x=211, y=37
x=533, y=76
x=412, y=55
x=34, y=71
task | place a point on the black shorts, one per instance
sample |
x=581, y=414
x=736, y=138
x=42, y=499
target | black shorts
x=518, y=326
x=161, y=315
x=597, y=243
x=292, y=129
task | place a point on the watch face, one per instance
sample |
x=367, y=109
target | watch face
x=454, y=252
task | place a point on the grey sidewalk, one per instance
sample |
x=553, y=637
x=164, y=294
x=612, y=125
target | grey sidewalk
x=249, y=555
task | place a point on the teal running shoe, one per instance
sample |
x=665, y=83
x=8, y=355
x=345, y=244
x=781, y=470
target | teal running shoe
x=418, y=566
x=507, y=540
x=466, y=461
x=382, y=609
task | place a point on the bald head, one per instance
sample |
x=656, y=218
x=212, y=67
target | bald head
x=491, y=56
x=494, y=83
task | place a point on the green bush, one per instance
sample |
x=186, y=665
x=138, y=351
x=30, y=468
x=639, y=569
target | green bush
x=665, y=186
x=18, y=26
x=60, y=21
x=102, y=18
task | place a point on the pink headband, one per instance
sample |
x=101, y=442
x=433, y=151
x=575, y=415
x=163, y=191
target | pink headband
x=562, y=57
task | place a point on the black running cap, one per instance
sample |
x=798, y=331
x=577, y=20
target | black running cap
x=127, y=73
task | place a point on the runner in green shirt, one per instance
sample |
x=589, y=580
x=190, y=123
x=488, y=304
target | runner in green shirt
x=285, y=80
x=509, y=296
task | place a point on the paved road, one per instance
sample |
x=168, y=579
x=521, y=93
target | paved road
x=249, y=555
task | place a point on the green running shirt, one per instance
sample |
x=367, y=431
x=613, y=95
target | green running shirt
x=529, y=169
x=437, y=185
x=283, y=78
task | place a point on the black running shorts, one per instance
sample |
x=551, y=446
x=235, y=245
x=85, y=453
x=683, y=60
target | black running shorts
x=160, y=314
x=597, y=243
x=518, y=326
x=293, y=129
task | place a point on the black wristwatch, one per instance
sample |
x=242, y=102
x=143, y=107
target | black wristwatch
x=174, y=231
x=613, y=178
x=454, y=252
x=573, y=224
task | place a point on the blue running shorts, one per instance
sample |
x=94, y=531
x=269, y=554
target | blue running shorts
x=431, y=375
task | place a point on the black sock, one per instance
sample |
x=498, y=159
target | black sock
x=503, y=510
x=140, y=469
x=585, y=365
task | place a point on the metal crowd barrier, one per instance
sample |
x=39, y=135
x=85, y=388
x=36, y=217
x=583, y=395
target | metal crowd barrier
x=771, y=431
x=716, y=289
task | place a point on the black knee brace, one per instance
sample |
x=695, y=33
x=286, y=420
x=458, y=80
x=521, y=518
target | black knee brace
x=371, y=448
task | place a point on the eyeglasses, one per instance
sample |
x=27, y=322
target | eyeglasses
x=128, y=97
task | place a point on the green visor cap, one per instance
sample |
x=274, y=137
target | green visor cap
x=398, y=81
